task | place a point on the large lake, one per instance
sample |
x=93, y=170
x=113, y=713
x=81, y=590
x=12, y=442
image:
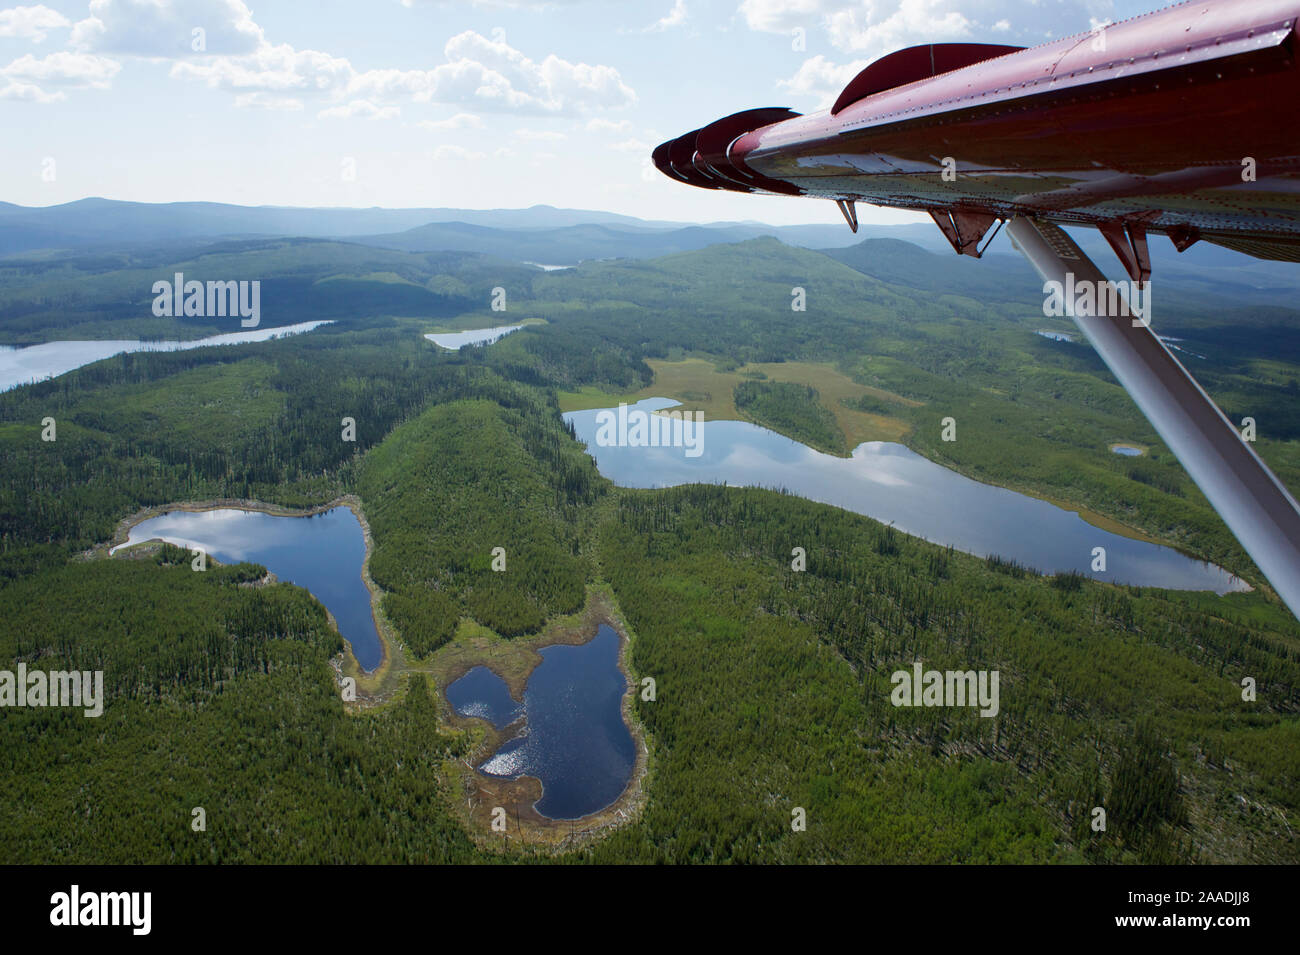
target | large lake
x=323, y=553
x=895, y=485
x=21, y=366
x=574, y=737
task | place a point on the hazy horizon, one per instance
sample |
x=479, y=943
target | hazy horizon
x=749, y=221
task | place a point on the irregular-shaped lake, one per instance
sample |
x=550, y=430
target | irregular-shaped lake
x=21, y=366
x=894, y=484
x=321, y=552
x=475, y=336
x=482, y=694
x=575, y=739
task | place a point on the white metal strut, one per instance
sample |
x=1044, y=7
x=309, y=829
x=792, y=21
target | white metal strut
x=1248, y=496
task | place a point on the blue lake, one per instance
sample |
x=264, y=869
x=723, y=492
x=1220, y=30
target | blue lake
x=574, y=739
x=323, y=553
x=895, y=485
x=474, y=336
x=482, y=694
x=20, y=366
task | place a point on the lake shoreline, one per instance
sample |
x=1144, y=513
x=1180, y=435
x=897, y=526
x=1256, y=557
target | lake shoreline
x=53, y=354
x=595, y=400
x=514, y=662
x=349, y=662
x=851, y=484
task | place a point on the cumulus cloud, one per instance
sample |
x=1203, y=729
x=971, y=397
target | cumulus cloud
x=29, y=92
x=508, y=4
x=31, y=23
x=673, y=18
x=362, y=108
x=459, y=121
x=877, y=27
x=271, y=69
x=489, y=74
x=166, y=28
x=823, y=79
x=869, y=29
x=859, y=30
x=494, y=74
x=539, y=135
x=454, y=152
x=602, y=125
x=263, y=100
x=632, y=146
x=82, y=70
x=479, y=72
x=218, y=43
x=782, y=16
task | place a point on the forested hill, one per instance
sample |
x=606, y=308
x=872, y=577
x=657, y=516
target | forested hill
x=773, y=685
x=110, y=295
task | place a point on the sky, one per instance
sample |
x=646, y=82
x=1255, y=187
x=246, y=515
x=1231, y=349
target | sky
x=420, y=103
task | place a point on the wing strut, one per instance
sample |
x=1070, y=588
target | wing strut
x=1251, y=500
x=965, y=229
x=850, y=213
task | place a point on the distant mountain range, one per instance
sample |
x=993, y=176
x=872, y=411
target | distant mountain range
x=552, y=236
x=568, y=245
x=530, y=233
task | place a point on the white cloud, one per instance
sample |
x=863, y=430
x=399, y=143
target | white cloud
x=459, y=121
x=31, y=23
x=507, y=4
x=30, y=93
x=451, y=151
x=362, y=108
x=165, y=28
x=864, y=30
x=495, y=74
x=602, y=125
x=823, y=79
x=492, y=75
x=271, y=69
x=876, y=27
x=82, y=70
x=870, y=29
x=263, y=100
x=539, y=135
x=632, y=146
x=674, y=18
x=781, y=16
x=487, y=74
x=872, y=26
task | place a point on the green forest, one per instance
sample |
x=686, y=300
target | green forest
x=773, y=682
x=790, y=409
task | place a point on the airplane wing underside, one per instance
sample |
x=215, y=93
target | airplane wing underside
x=1181, y=122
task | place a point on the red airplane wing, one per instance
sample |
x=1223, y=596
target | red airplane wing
x=1183, y=122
